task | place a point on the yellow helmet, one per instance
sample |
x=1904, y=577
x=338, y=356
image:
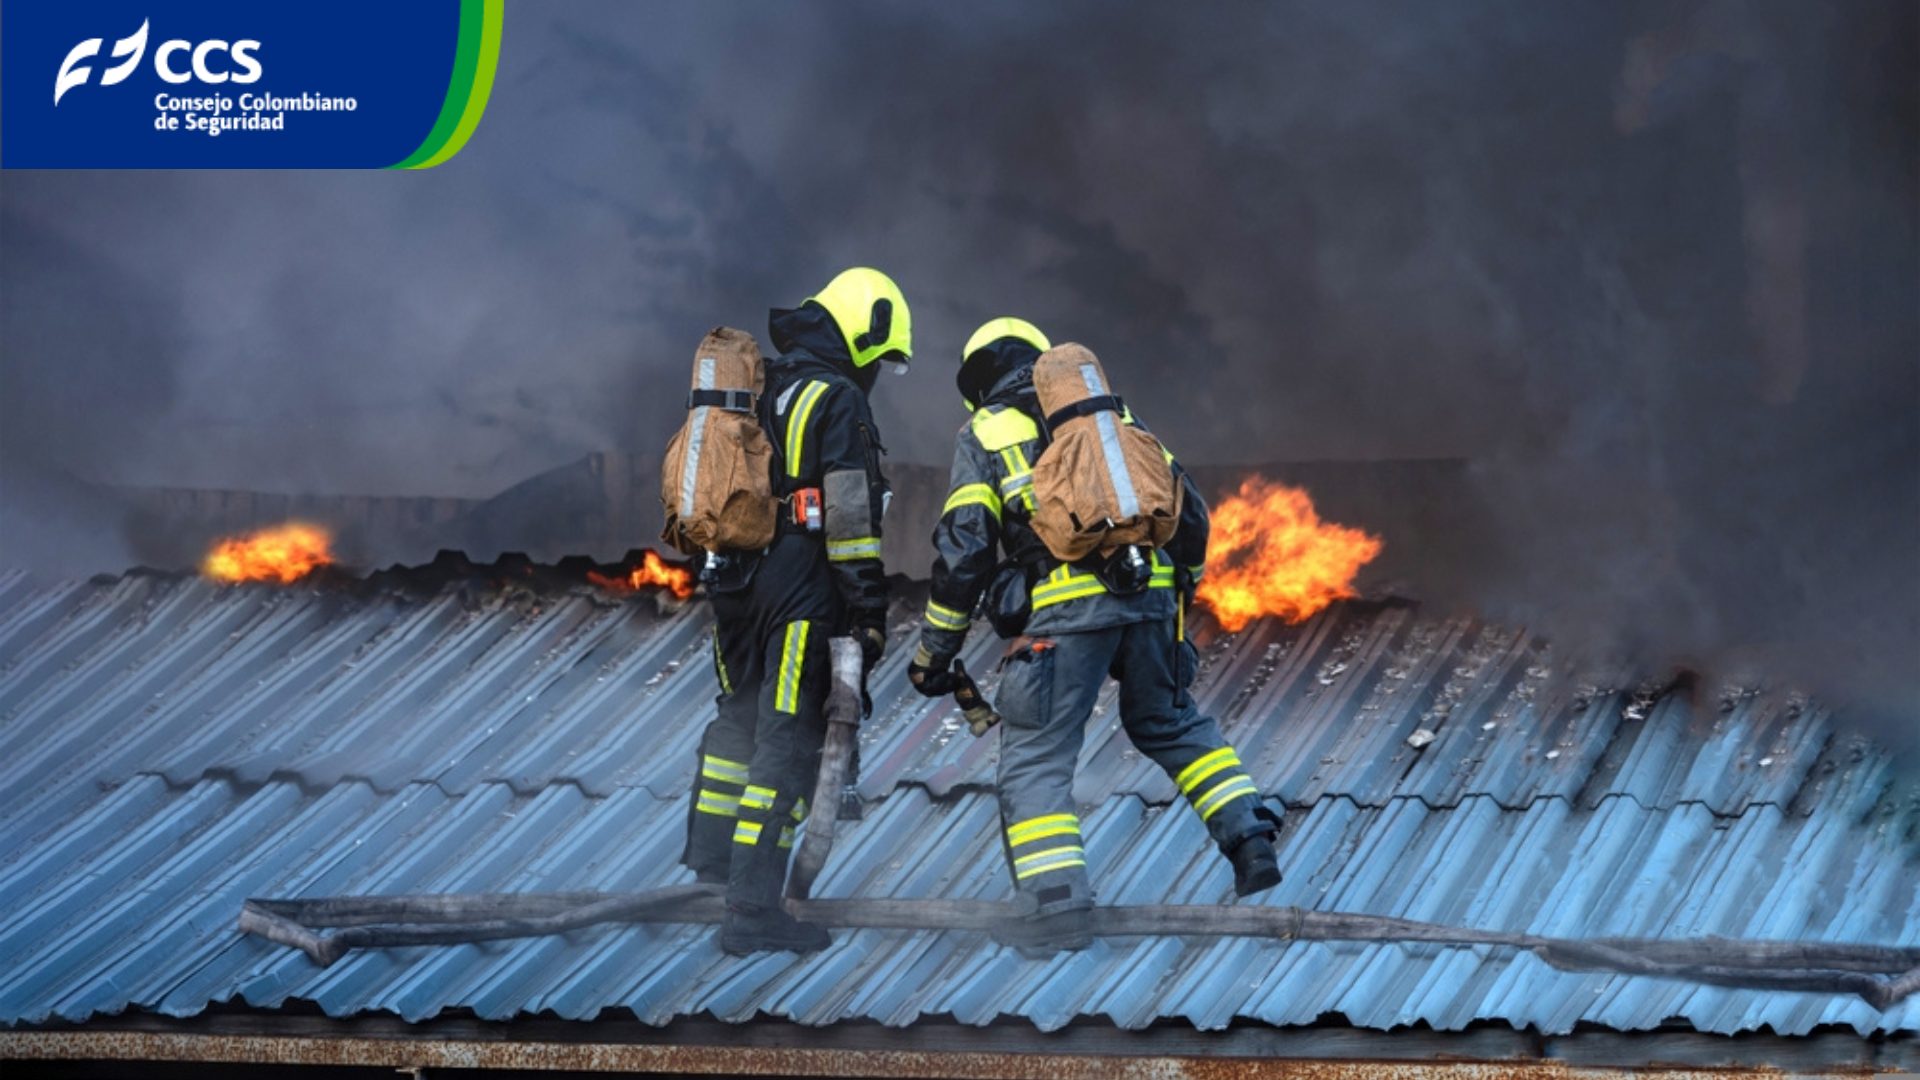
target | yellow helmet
x=872, y=315
x=981, y=366
x=994, y=329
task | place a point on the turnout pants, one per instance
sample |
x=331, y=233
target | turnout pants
x=760, y=757
x=1046, y=694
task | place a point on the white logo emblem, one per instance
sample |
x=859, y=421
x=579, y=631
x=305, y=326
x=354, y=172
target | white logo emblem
x=70, y=76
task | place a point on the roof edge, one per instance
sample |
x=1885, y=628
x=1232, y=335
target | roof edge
x=930, y=1048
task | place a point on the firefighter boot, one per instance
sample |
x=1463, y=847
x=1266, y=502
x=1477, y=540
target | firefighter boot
x=1039, y=937
x=750, y=928
x=1255, y=866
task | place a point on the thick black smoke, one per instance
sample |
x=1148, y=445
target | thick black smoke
x=1651, y=268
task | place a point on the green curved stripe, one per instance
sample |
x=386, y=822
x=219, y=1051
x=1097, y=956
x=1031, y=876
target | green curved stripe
x=476, y=57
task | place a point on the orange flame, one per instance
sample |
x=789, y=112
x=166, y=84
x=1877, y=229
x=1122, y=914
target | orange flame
x=1270, y=554
x=653, y=572
x=284, y=553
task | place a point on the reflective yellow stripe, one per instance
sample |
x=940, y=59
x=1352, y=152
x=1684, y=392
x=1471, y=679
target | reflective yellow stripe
x=719, y=768
x=757, y=798
x=1072, y=587
x=1223, y=793
x=865, y=547
x=793, y=658
x=1067, y=583
x=714, y=802
x=799, y=810
x=746, y=832
x=942, y=617
x=1055, y=830
x=1073, y=857
x=720, y=665
x=973, y=495
x=786, y=837
x=999, y=428
x=803, y=404
x=1039, y=856
x=1204, y=766
x=1050, y=597
x=1022, y=831
x=1019, y=480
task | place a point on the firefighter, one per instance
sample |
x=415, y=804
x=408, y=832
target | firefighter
x=1074, y=630
x=774, y=611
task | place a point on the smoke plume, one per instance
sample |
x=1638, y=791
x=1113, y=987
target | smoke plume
x=1651, y=269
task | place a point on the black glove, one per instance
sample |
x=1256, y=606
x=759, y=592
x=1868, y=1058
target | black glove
x=873, y=645
x=1186, y=586
x=932, y=675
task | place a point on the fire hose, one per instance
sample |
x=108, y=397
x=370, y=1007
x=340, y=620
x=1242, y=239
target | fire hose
x=1880, y=975
x=836, y=754
x=326, y=929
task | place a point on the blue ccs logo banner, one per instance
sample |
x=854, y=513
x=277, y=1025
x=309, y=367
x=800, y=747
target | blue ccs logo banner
x=227, y=84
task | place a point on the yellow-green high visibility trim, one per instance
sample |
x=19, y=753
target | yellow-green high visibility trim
x=804, y=400
x=720, y=665
x=942, y=617
x=973, y=495
x=1018, y=484
x=1060, y=858
x=1071, y=829
x=863, y=547
x=853, y=300
x=1067, y=583
x=793, y=660
x=1023, y=832
x=746, y=832
x=1050, y=853
x=1004, y=327
x=786, y=837
x=715, y=802
x=719, y=768
x=999, y=427
x=1040, y=856
x=757, y=797
x=1221, y=794
x=799, y=810
x=1204, y=766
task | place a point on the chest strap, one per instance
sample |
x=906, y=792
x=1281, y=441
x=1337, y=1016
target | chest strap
x=1085, y=407
x=730, y=400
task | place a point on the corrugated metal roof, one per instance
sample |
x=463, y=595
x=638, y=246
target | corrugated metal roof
x=169, y=747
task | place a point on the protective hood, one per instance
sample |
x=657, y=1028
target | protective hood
x=809, y=329
x=1008, y=361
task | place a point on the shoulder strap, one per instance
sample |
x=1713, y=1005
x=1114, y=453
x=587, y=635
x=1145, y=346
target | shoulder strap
x=1085, y=407
x=730, y=400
